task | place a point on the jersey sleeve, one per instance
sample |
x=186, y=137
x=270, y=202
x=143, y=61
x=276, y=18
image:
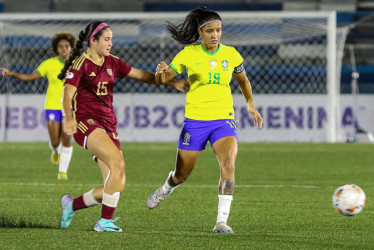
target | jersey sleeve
x=123, y=68
x=178, y=62
x=73, y=77
x=42, y=69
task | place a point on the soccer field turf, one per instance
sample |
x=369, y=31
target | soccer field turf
x=282, y=199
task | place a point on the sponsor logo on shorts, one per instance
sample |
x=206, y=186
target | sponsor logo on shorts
x=51, y=117
x=90, y=121
x=232, y=125
x=115, y=136
x=82, y=127
x=186, y=139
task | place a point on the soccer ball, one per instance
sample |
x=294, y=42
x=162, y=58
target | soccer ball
x=349, y=199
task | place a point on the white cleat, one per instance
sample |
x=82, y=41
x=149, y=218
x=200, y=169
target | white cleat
x=222, y=228
x=156, y=198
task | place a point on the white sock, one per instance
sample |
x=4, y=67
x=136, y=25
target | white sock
x=167, y=189
x=65, y=157
x=111, y=200
x=54, y=149
x=89, y=199
x=224, y=204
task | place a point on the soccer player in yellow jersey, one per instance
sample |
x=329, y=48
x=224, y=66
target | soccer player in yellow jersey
x=61, y=44
x=209, y=113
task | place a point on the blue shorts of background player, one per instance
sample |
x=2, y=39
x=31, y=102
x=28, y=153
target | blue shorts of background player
x=53, y=114
x=195, y=133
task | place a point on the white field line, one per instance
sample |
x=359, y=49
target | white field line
x=156, y=185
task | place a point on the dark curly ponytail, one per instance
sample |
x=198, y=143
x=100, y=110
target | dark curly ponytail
x=187, y=32
x=62, y=36
x=83, y=36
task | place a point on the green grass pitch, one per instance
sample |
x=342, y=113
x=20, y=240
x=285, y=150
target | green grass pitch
x=282, y=199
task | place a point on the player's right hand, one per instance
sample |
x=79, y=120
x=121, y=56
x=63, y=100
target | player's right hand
x=5, y=71
x=182, y=85
x=69, y=126
x=161, y=67
x=257, y=118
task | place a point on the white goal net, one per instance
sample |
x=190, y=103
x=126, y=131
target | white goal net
x=290, y=59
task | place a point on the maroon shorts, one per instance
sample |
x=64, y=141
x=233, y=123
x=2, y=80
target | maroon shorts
x=86, y=126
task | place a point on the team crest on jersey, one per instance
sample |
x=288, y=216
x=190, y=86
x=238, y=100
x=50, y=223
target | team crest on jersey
x=91, y=121
x=186, y=139
x=70, y=75
x=110, y=73
x=213, y=64
x=225, y=64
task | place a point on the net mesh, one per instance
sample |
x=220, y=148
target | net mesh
x=282, y=55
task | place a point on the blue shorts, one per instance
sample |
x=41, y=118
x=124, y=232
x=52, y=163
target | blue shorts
x=195, y=134
x=53, y=114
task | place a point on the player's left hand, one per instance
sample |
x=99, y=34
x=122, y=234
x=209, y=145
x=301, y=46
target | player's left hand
x=69, y=127
x=257, y=119
x=182, y=85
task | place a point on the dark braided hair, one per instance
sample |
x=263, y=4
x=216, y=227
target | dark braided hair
x=78, y=50
x=187, y=32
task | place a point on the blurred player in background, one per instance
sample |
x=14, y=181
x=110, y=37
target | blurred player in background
x=89, y=84
x=62, y=45
x=209, y=113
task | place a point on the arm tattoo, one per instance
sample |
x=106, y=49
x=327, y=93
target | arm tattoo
x=226, y=186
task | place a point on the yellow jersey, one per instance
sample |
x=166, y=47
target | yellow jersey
x=51, y=68
x=210, y=74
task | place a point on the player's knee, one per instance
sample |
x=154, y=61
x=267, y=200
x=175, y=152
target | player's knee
x=121, y=168
x=118, y=167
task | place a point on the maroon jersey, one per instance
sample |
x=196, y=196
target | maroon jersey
x=94, y=97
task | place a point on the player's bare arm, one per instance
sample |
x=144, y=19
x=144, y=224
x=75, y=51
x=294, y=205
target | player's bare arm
x=69, y=125
x=163, y=76
x=141, y=75
x=148, y=77
x=164, y=73
x=246, y=88
x=181, y=85
x=24, y=77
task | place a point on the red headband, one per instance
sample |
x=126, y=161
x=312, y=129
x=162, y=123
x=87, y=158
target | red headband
x=98, y=28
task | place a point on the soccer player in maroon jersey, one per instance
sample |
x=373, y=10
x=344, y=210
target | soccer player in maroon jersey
x=89, y=86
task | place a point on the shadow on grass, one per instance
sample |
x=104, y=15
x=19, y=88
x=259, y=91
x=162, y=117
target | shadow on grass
x=8, y=222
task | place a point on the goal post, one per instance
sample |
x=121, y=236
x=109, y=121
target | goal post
x=333, y=87
x=290, y=58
